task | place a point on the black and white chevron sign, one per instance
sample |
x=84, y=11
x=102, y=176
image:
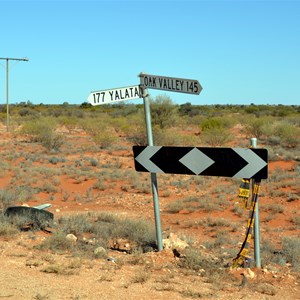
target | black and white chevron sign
x=224, y=162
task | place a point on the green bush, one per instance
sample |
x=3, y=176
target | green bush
x=7, y=198
x=288, y=133
x=43, y=130
x=216, y=136
x=6, y=227
x=69, y=122
x=216, y=123
x=290, y=248
x=101, y=227
x=257, y=127
x=163, y=112
x=38, y=127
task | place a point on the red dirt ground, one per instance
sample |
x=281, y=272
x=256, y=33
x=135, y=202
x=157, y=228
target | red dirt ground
x=101, y=279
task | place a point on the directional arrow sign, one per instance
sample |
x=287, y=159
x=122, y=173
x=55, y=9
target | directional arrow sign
x=114, y=95
x=171, y=84
x=225, y=162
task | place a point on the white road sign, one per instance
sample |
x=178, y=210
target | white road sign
x=180, y=85
x=114, y=95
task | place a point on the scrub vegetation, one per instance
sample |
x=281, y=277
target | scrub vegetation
x=79, y=159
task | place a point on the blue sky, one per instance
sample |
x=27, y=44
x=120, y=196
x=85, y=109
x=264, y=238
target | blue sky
x=241, y=52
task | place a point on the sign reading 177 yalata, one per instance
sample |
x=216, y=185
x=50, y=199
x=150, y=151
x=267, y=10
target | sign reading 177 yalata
x=180, y=85
x=114, y=95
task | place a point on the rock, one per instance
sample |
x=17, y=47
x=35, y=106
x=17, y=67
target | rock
x=72, y=238
x=173, y=242
x=249, y=273
x=265, y=271
x=92, y=241
x=100, y=252
x=122, y=245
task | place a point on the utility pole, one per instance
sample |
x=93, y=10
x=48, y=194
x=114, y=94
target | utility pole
x=7, y=102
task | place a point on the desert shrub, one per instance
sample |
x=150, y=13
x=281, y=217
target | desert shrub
x=211, y=123
x=94, y=126
x=43, y=130
x=54, y=160
x=135, y=129
x=104, y=139
x=216, y=136
x=52, y=140
x=257, y=127
x=296, y=220
x=288, y=134
x=269, y=253
x=141, y=277
x=120, y=124
x=274, y=208
x=6, y=227
x=27, y=112
x=69, y=122
x=219, y=222
x=94, y=162
x=216, y=123
x=125, y=110
x=139, y=231
x=38, y=127
x=192, y=204
x=274, y=140
x=195, y=260
x=57, y=242
x=76, y=224
x=163, y=112
x=166, y=137
x=7, y=198
x=101, y=227
x=137, y=136
x=290, y=249
x=175, y=206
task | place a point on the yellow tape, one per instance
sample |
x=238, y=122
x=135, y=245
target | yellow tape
x=256, y=189
x=248, y=240
x=250, y=223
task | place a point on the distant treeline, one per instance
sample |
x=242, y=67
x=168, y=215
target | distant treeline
x=280, y=110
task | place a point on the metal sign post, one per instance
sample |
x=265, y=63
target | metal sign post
x=153, y=175
x=253, y=143
x=171, y=84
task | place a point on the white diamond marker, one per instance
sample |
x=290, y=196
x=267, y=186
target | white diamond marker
x=196, y=161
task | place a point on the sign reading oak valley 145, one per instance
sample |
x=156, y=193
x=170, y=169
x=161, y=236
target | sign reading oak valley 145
x=171, y=84
x=114, y=95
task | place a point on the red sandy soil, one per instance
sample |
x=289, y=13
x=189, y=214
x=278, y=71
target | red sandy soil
x=102, y=279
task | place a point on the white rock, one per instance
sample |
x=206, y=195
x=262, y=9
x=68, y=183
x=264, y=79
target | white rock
x=100, y=252
x=72, y=238
x=249, y=273
x=174, y=242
